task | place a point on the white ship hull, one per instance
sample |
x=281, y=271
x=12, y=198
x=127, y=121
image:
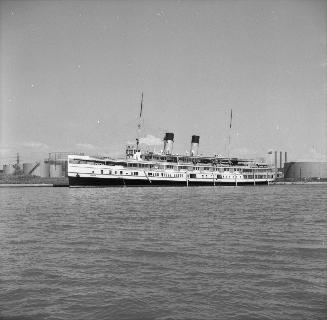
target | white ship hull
x=99, y=174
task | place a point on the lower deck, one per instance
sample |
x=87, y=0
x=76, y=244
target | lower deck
x=121, y=182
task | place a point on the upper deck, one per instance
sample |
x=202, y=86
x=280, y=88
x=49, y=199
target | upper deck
x=154, y=161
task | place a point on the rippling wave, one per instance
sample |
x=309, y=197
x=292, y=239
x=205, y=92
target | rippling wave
x=164, y=253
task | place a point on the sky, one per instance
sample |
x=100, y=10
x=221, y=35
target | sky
x=72, y=75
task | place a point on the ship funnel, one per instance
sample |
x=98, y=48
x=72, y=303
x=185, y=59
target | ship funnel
x=194, y=146
x=168, y=143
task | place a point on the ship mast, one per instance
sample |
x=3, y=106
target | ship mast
x=230, y=129
x=139, y=125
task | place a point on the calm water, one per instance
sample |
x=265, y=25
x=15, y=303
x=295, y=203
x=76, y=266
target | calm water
x=164, y=253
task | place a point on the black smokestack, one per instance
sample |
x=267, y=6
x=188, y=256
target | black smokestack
x=195, y=139
x=194, y=146
x=168, y=142
x=169, y=136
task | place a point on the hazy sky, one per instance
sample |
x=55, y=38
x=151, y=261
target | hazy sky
x=72, y=74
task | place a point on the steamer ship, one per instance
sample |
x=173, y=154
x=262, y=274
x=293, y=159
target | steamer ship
x=140, y=168
x=145, y=168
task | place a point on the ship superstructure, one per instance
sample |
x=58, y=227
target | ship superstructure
x=165, y=169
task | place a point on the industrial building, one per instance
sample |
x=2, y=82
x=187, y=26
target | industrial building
x=305, y=171
x=297, y=171
x=58, y=162
x=9, y=168
x=55, y=166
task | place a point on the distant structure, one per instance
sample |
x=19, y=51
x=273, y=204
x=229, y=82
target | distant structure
x=279, y=167
x=297, y=171
x=9, y=169
x=55, y=166
x=58, y=163
x=39, y=169
x=305, y=171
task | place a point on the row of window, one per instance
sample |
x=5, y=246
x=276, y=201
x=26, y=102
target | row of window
x=259, y=176
x=153, y=174
x=157, y=174
x=192, y=175
x=161, y=166
x=233, y=177
x=150, y=174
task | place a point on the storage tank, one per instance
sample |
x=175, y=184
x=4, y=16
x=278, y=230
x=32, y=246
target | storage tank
x=55, y=170
x=43, y=170
x=8, y=169
x=305, y=170
x=28, y=167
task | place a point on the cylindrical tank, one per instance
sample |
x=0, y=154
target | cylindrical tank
x=8, y=169
x=168, y=143
x=305, y=170
x=27, y=167
x=55, y=170
x=195, y=146
x=43, y=170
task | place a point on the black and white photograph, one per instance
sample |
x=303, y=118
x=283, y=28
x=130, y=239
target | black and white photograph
x=163, y=159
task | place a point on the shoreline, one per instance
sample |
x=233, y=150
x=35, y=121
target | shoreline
x=8, y=181
x=66, y=185
x=20, y=185
x=297, y=182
